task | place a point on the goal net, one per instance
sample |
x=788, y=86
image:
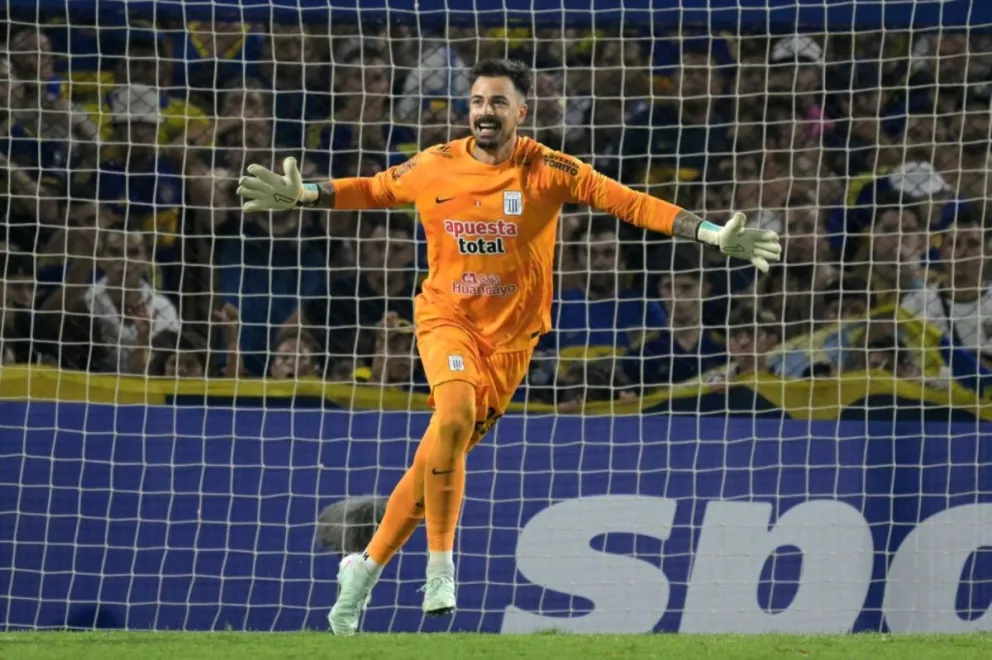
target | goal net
x=696, y=447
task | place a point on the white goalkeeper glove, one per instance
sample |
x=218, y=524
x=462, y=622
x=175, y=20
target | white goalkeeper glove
x=264, y=190
x=759, y=246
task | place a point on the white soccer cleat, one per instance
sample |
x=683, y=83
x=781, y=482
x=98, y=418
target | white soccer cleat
x=439, y=594
x=355, y=582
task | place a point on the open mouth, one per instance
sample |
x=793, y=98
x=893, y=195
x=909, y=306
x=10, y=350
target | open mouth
x=487, y=128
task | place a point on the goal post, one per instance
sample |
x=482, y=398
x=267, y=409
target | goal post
x=696, y=447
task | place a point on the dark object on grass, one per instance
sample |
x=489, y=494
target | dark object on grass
x=347, y=526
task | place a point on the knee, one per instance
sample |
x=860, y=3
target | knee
x=456, y=424
x=455, y=413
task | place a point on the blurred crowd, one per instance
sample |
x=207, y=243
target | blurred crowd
x=124, y=249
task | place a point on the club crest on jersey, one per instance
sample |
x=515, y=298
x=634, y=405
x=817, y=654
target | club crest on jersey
x=513, y=202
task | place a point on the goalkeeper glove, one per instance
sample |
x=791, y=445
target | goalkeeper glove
x=264, y=190
x=759, y=246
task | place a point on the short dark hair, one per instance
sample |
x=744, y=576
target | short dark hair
x=748, y=317
x=518, y=72
x=674, y=259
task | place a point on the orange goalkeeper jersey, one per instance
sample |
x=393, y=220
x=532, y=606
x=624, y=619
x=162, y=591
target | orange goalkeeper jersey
x=491, y=231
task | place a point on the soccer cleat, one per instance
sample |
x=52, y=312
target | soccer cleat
x=439, y=594
x=355, y=582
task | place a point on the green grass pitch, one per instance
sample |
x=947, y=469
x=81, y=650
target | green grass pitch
x=313, y=646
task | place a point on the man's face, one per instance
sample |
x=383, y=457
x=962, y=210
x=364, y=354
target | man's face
x=951, y=53
x=971, y=126
x=803, y=238
x=31, y=52
x=293, y=359
x=377, y=83
x=247, y=104
x=496, y=109
x=597, y=254
x=697, y=79
x=143, y=66
x=682, y=295
x=183, y=365
x=141, y=138
x=897, y=246
x=747, y=345
x=384, y=249
x=396, y=362
x=965, y=252
x=124, y=259
x=19, y=292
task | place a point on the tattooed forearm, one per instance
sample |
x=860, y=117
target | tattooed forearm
x=326, y=198
x=318, y=195
x=686, y=225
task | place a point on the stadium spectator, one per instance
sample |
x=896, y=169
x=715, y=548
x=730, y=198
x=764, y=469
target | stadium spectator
x=359, y=127
x=600, y=313
x=342, y=311
x=45, y=106
x=440, y=72
x=37, y=159
x=213, y=54
x=17, y=291
x=32, y=62
x=961, y=152
x=294, y=357
x=178, y=355
x=885, y=354
x=752, y=333
x=439, y=123
x=595, y=380
x=895, y=250
x=142, y=186
x=774, y=136
x=145, y=62
x=299, y=79
x=806, y=248
x=959, y=303
x=266, y=265
x=795, y=73
x=682, y=139
x=547, y=112
x=844, y=299
x=394, y=362
x=684, y=348
x=786, y=292
x=228, y=320
x=128, y=312
x=244, y=130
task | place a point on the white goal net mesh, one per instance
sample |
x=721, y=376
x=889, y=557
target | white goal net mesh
x=697, y=446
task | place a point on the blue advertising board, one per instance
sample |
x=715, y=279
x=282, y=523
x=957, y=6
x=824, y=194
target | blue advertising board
x=186, y=518
x=759, y=14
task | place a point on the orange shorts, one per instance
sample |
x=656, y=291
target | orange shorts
x=450, y=353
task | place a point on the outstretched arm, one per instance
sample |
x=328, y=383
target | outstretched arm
x=264, y=190
x=759, y=246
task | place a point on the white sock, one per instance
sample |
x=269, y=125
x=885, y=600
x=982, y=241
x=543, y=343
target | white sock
x=370, y=564
x=439, y=561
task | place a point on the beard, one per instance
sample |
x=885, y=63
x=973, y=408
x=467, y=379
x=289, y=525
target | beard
x=488, y=132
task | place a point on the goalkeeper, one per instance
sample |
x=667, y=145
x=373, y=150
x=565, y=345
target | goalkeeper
x=489, y=204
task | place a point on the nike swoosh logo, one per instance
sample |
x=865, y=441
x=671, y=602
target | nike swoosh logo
x=435, y=472
x=438, y=200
